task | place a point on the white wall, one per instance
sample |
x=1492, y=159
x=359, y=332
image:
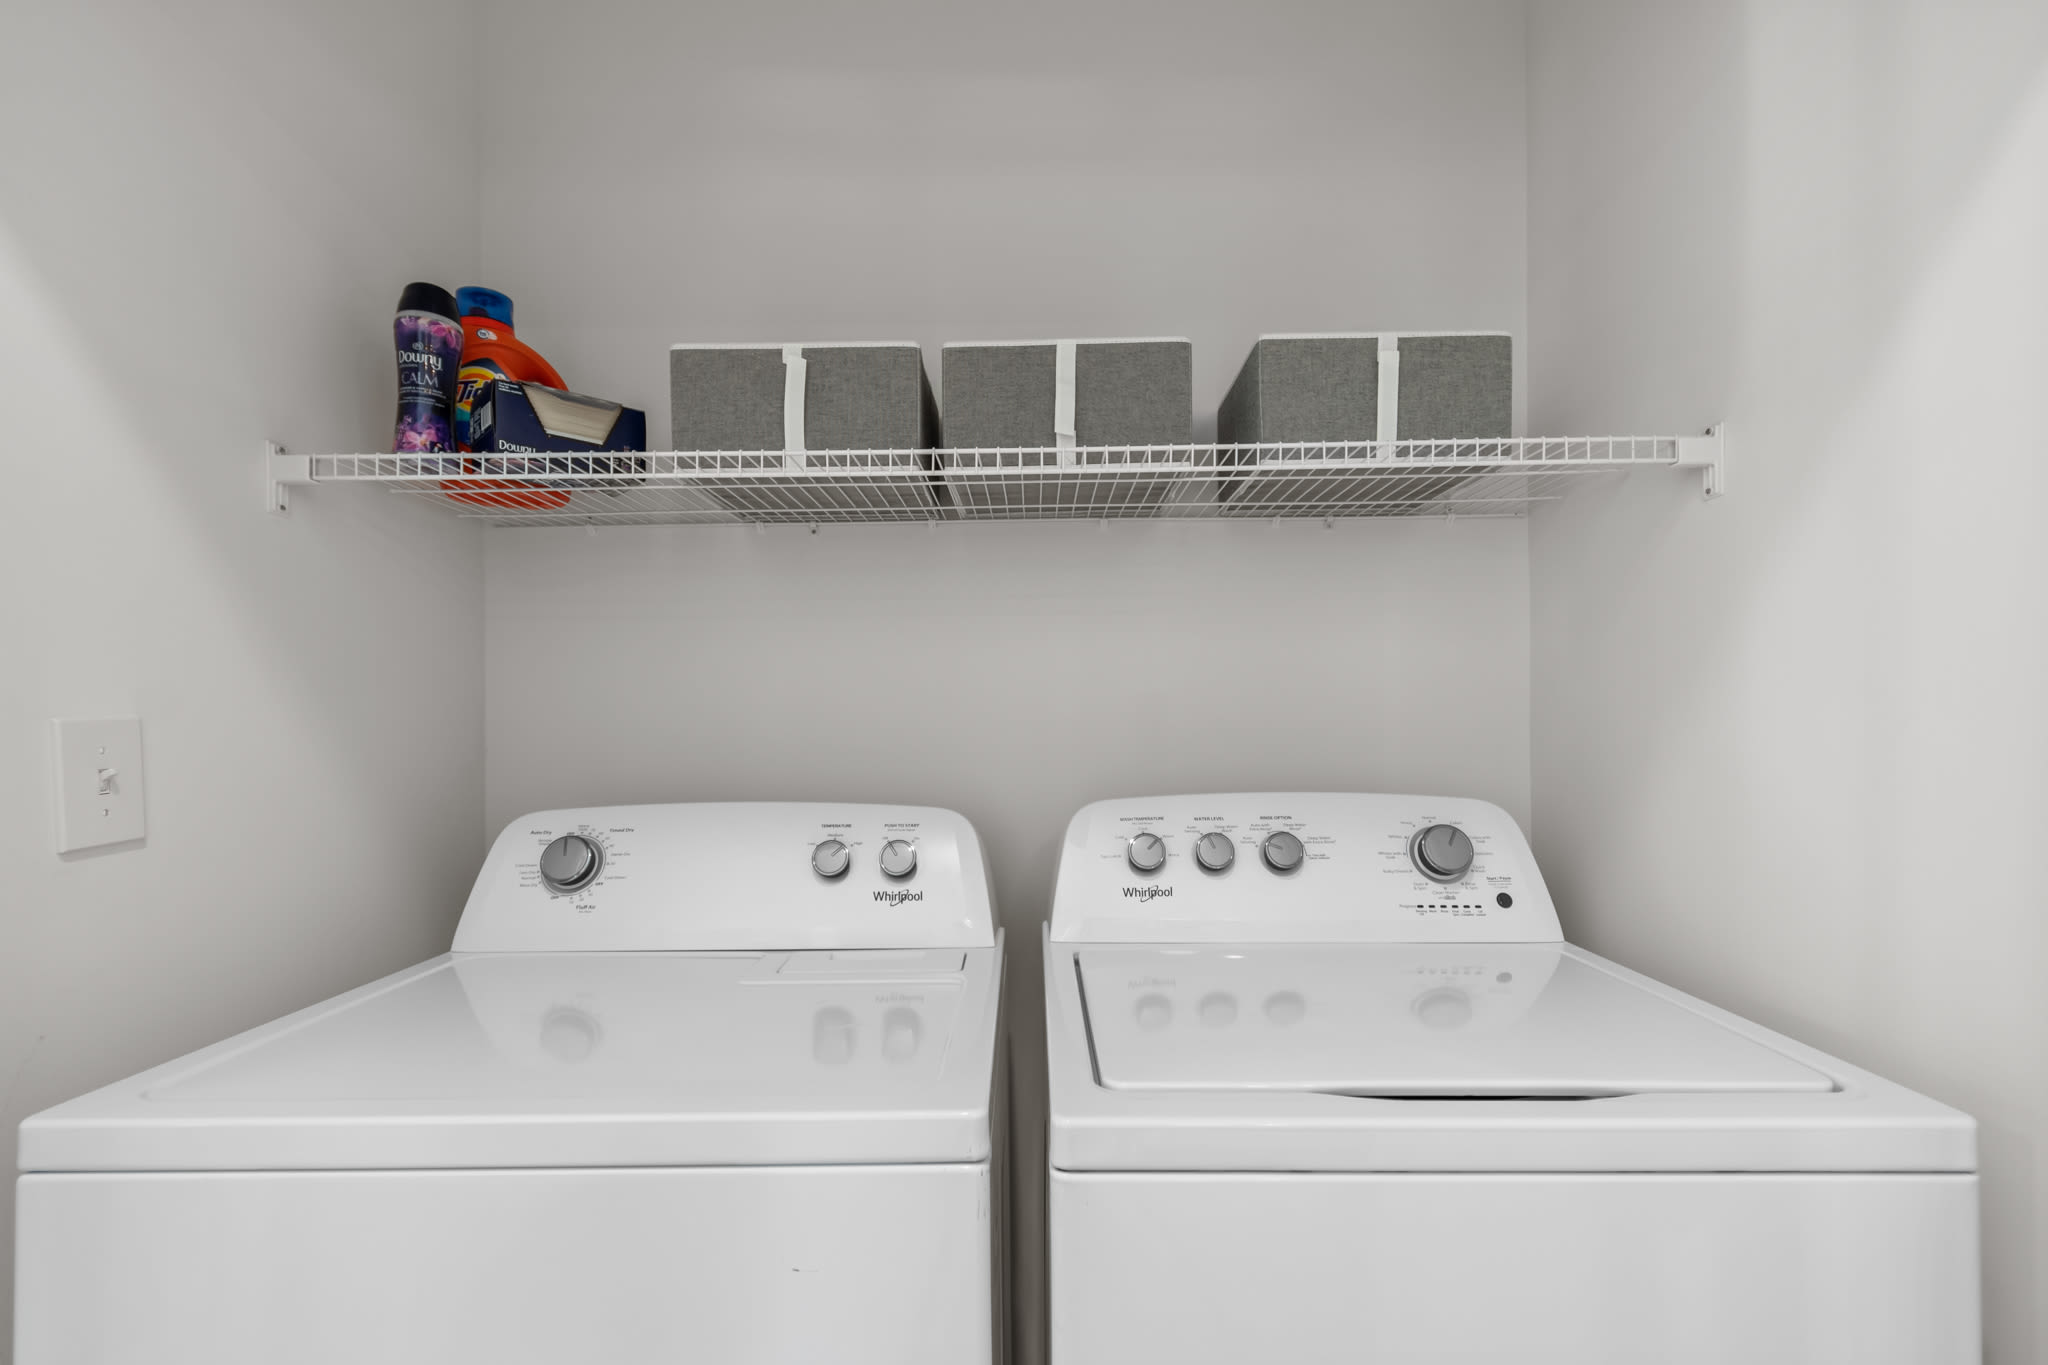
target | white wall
x=1013, y=672
x=933, y=171
x=206, y=214
x=1790, y=748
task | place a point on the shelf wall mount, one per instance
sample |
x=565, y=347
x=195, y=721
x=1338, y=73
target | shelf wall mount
x=1709, y=455
x=280, y=472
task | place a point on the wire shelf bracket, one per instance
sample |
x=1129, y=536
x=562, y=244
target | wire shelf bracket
x=280, y=472
x=1709, y=455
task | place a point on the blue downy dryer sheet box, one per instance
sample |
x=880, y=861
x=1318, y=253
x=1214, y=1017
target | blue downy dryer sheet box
x=512, y=418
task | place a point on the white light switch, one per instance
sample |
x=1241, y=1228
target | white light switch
x=99, y=782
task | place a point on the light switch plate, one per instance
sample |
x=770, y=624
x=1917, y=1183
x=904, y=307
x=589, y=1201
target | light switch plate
x=99, y=782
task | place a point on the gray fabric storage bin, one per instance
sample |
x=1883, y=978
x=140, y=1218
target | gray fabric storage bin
x=1450, y=386
x=1006, y=396
x=858, y=396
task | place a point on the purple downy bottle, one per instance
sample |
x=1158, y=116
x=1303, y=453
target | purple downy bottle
x=429, y=342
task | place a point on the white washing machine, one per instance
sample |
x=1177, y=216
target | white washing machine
x=697, y=1083
x=1328, y=1085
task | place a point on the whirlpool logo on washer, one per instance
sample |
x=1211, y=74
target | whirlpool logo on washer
x=898, y=897
x=1146, y=893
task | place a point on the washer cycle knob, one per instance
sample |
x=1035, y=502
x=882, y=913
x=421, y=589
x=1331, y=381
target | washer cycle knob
x=1442, y=853
x=570, y=863
x=831, y=858
x=899, y=858
x=1282, y=850
x=1147, y=852
x=1216, y=851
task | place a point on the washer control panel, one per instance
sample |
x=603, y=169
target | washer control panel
x=731, y=876
x=1299, y=867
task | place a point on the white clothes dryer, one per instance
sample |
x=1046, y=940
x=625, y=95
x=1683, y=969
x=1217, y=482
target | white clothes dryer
x=697, y=1082
x=1327, y=1085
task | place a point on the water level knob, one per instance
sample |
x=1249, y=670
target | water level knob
x=831, y=858
x=1442, y=853
x=570, y=863
x=1147, y=852
x=1216, y=851
x=1282, y=850
x=899, y=858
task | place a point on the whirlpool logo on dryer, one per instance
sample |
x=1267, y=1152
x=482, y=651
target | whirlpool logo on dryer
x=1146, y=893
x=898, y=897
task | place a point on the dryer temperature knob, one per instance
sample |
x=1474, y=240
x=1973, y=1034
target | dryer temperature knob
x=831, y=858
x=1147, y=852
x=570, y=863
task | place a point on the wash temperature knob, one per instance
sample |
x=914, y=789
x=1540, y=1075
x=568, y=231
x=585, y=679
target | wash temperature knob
x=831, y=858
x=570, y=863
x=1147, y=852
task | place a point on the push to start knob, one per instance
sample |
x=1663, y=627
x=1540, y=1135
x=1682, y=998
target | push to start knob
x=1147, y=852
x=1282, y=850
x=1442, y=853
x=1216, y=851
x=570, y=863
x=899, y=858
x=831, y=858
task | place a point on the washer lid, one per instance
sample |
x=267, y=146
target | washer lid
x=576, y=1059
x=1480, y=1022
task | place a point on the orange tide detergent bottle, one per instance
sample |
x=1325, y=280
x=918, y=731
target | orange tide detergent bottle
x=491, y=351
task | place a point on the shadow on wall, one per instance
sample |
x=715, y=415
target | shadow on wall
x=197, y=253
x=1758, y=725
x=220, y=281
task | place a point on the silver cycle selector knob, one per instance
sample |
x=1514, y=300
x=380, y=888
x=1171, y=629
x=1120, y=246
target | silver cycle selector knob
x=899, y=858
x=1147, y=852
x=1216, y=850
x=831, y=858
x=1282, y=851
x=570, y=863
x=1442, y=853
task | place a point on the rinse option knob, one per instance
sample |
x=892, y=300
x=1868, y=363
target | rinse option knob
x=899, y=858
x=1216, y=851
x=570, y=863
x=1282, y=850
x=831, y=858
x=1147, y=852
x=1442, y=853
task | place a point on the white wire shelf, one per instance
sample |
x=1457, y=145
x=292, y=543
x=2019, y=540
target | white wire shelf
x=1327, y=480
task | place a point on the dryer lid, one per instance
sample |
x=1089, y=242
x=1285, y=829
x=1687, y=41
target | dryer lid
x=577, y=1059
x=1442, y=1021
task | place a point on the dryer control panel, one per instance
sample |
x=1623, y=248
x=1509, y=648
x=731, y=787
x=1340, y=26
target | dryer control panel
x=1302, y=867
x=741, y=875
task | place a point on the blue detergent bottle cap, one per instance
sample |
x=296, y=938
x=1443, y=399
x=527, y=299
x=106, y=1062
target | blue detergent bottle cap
x=475, y=301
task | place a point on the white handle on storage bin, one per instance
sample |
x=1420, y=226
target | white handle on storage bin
x=1063, y=400
x=793, y=367
x=1390, y=389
